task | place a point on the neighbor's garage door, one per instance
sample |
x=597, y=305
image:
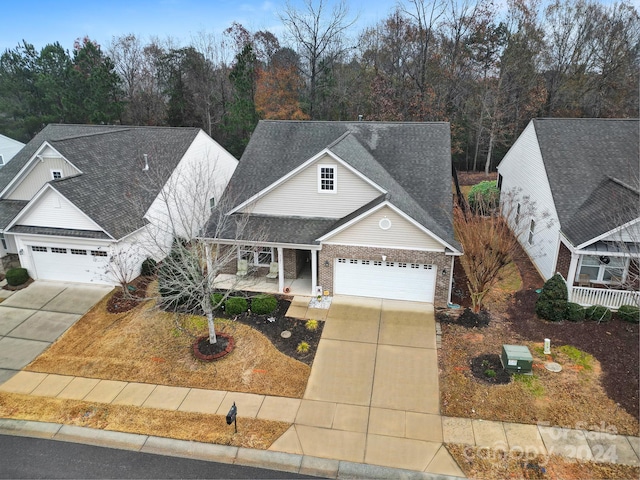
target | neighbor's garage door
x=69, y=264
x=395, y=280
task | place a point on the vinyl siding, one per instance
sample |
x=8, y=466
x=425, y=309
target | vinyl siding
x=39, y=175
x=629, y=234
x=53, y=210
x=401, y=234
x=524, y=177
x=299, y=195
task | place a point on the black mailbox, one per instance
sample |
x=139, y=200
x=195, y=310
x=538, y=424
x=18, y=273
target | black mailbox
x=231, y=416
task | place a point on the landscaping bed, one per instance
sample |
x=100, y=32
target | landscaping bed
x=598, y=387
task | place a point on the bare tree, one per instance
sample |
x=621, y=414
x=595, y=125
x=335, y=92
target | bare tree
x=319, y=35
x=489, y=242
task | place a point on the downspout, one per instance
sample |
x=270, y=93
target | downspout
x=450, y=280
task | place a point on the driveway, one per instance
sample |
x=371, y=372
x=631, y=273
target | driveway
x=373, y=395
x=33, y=318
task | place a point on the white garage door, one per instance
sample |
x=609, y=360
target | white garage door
x=69, y=264
x=395, y=280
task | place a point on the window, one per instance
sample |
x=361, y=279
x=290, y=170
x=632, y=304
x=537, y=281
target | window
x=326, y=178
x=75, y=251
x=532, y=227
x=56, y=174
x=212, y=203
x=365, y=262
x=377, y=263
x=499, y=182
x=258, y=256
x=38, y=249
x=603, y=269
x=58, y=250
x=517, y=214
x=98, y=253
x=3, y=240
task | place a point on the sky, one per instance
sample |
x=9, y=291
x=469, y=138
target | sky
x=41, y=22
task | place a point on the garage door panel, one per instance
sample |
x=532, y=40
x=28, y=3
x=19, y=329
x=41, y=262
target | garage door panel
x=69, y=264
x=394, y=280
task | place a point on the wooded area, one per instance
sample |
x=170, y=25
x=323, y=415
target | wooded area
x=486, y=71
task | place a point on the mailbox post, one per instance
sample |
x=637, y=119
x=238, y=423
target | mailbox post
x=231, y=416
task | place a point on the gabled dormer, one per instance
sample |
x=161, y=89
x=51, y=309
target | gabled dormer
x=45, y=165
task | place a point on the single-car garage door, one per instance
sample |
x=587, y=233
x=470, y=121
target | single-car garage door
x=395, y=280
x=69, y=264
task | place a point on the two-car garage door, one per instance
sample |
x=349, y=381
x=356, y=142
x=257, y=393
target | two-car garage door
x=82, y=265
x=395, y=280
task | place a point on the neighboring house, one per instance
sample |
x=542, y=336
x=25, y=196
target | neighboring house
x=8, y=148
x=364, y=208
x=583, y=173
x=78, y=195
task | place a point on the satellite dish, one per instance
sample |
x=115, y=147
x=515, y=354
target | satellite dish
x=604, y=259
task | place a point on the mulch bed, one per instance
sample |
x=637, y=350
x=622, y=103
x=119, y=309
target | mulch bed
x=482, y=363
x=273, y=324
x=613, y=344
x=467, y=319
x=120, y=303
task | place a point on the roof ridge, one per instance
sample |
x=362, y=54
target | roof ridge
x=624, y=184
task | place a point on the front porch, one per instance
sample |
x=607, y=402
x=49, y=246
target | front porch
x=609, y=298
x=259, y=283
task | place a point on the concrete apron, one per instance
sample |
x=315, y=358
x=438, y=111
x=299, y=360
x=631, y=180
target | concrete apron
x=373, y=395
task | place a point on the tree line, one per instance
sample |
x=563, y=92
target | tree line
x=486, y=71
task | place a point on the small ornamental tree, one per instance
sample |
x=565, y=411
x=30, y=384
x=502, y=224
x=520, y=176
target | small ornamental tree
x=484, y=197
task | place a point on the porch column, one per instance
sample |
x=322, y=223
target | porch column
x=314, y=271
x=280, y=270
x=571, y=275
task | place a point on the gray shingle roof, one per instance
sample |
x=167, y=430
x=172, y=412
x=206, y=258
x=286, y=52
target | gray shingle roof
x=412, y=161
x=112, y=189
x=583, y=157
x=8, y=210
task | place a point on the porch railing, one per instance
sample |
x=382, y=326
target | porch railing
x=603, y=296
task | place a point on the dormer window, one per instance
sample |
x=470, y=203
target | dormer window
x=56, y=174
x=327, y=179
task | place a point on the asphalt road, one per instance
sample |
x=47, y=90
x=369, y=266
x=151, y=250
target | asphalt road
x=25, y=457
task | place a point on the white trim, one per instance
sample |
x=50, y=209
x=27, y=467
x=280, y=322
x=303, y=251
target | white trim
x=293, y=246
x=297, y=170
x=610, y=232
x=334, y=180
x=374, y=209
x=37, y=196
x=17, y=179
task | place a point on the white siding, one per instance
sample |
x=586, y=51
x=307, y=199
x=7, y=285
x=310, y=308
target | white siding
x=53, y=210
x=299, y=195
x=524, y=178
x=629, y=234
x=40, y=174
x=401, y=234
x=182, y=207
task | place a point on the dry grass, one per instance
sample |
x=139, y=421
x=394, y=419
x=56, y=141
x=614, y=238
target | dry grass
x=149, y=346
x=478, y=463
x=252, y=433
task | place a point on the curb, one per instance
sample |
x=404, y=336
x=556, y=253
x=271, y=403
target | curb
x=288, y=462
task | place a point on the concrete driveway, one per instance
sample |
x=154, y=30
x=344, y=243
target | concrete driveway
x=373, y=395
x=33, y=318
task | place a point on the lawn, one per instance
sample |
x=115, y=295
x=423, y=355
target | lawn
x=151, y=346
x=596, y=389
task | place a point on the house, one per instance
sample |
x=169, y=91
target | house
x=583, y=173
x=8, y=148
x=79, y=202
x=364, y=208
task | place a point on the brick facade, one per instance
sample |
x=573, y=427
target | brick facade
x=439, y=259
x=564, y=259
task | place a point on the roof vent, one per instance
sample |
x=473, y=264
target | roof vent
x=146, y=163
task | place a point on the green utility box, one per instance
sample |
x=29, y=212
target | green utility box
x=516, y=359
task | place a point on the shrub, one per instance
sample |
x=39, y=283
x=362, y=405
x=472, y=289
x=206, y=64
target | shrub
x=311, y=325
x=552, y=310
x=484, y=196
x=598, y=313
x=629, y=313
x=575, y=312
x=17, y=276
x=148, y=267
x=264, y=304
x=216, y=300
x=490, y=373
x=303, y=347
x=236, y=305
x=554, y=289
